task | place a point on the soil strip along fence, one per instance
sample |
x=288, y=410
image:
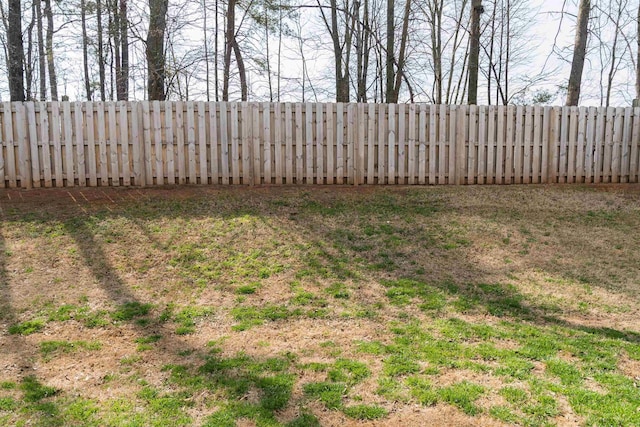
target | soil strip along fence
x=156, y=143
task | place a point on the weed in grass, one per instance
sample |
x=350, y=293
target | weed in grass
x=463, y=395
x=26, y=328
x=338, y=290
x=49, y=348
x=515, y=367
x=8, y=404
x=504, y=414
x=81, y=412
x=249, y=316
x=422, y=390
x=304, y=420
x=276, y=391
x=569, y=375
x=247, y=289
x=187, y=317
x=7, y=385
x=370, y=347
x=514, y=395
x=349, y=371
x=400, y=364
x=328, y=393
x=130, y=310
x=365, y=412
x=63, y=313
x=96, y=319
x=34, y=391
x=402, y=291
x=391, y=389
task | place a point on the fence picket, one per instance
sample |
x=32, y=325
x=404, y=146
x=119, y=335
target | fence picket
x=214, y=142
x=634, y=163
x=371, y=135
x=202, y=144
x=482, y=142
x=113, y=145
x=616, y=152
x=224, y=140
x=266, y=137
x=582, y=121
x=309, y=142
x=33, y=146
x=422, y=144
x=191, y=143
x=57, y=147
x=278, y=141
x=433, y=145
x=402, y=144
x=168, y=143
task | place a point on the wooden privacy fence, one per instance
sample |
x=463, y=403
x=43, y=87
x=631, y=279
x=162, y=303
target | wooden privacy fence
x=156, y=143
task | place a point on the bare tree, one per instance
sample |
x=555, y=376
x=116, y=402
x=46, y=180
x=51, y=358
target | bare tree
x=638, y=57
x=474, y=51
x=51, y=66
x=101, y=57
x=155, y=49
x=15, y=51
x=579, y=53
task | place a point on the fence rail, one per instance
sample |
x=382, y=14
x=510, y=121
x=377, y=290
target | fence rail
x=155, y=143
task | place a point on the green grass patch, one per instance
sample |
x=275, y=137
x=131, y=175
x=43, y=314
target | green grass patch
x=365, y=412
x=27, y=328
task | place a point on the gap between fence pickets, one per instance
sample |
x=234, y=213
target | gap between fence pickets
x=55, y=144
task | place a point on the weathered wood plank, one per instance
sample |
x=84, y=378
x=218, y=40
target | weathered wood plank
x=123, y=124
x=71, y=166
x=482, y=144
x=256, y=171
x=308, y=118
x=555, y=144
x=500, y=145
x=266, y=137
x=371, y=146
x=382, y=139
x=90, y=158
x=442, y=145
x=113, y=146
x=571, y=146
x=350, y=148
x=422, y=144
x=331, y=163
x=157, y=143
x=288, y=154
x=45, y=142
x=101, y=126
x=191, y=143
x=147, y=154
x=461, y=147
x=57, y=147
x=224, y=142
x=509, y=146
x=544, y=160
x=214, y=142
x=616, y=152
x=391, y=144
x=6, y=115
x=526, y=145
x=170, y=151
x=235, y=144
x=278, y=141
x=202, y=144
x=360, y=138
x=340, y=143
x=536, y=144
x=608, y=145
x=491, y=145
x=431, y=150
x=33, y=145
x=402, y=145
x=626, y=141
x=590, y=147
x=471, y=157
x=299, y=146
x=137, y=146
x=634, y=163
x=24, y=164
x=580, y=144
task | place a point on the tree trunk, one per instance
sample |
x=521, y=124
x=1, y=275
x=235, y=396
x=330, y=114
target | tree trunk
x=579, y=53
x=29, y=63
x=85, y=53
x=638, y=58
x=16, y=52
x=241, y=71
x=474, y=51
x=206, y=49
x=230, y=35
x=403, y=51
x=122, y=78
x=101, y=60
x=390, y=60
x=155, y=49
x=53, y=79
x=42, y=67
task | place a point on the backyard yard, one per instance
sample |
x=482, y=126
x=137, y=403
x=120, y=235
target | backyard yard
x=315, y=306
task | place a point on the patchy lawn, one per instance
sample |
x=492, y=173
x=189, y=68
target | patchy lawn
x=321, y=306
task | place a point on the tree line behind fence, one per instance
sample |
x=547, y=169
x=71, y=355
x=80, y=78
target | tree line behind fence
x=155, y=143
